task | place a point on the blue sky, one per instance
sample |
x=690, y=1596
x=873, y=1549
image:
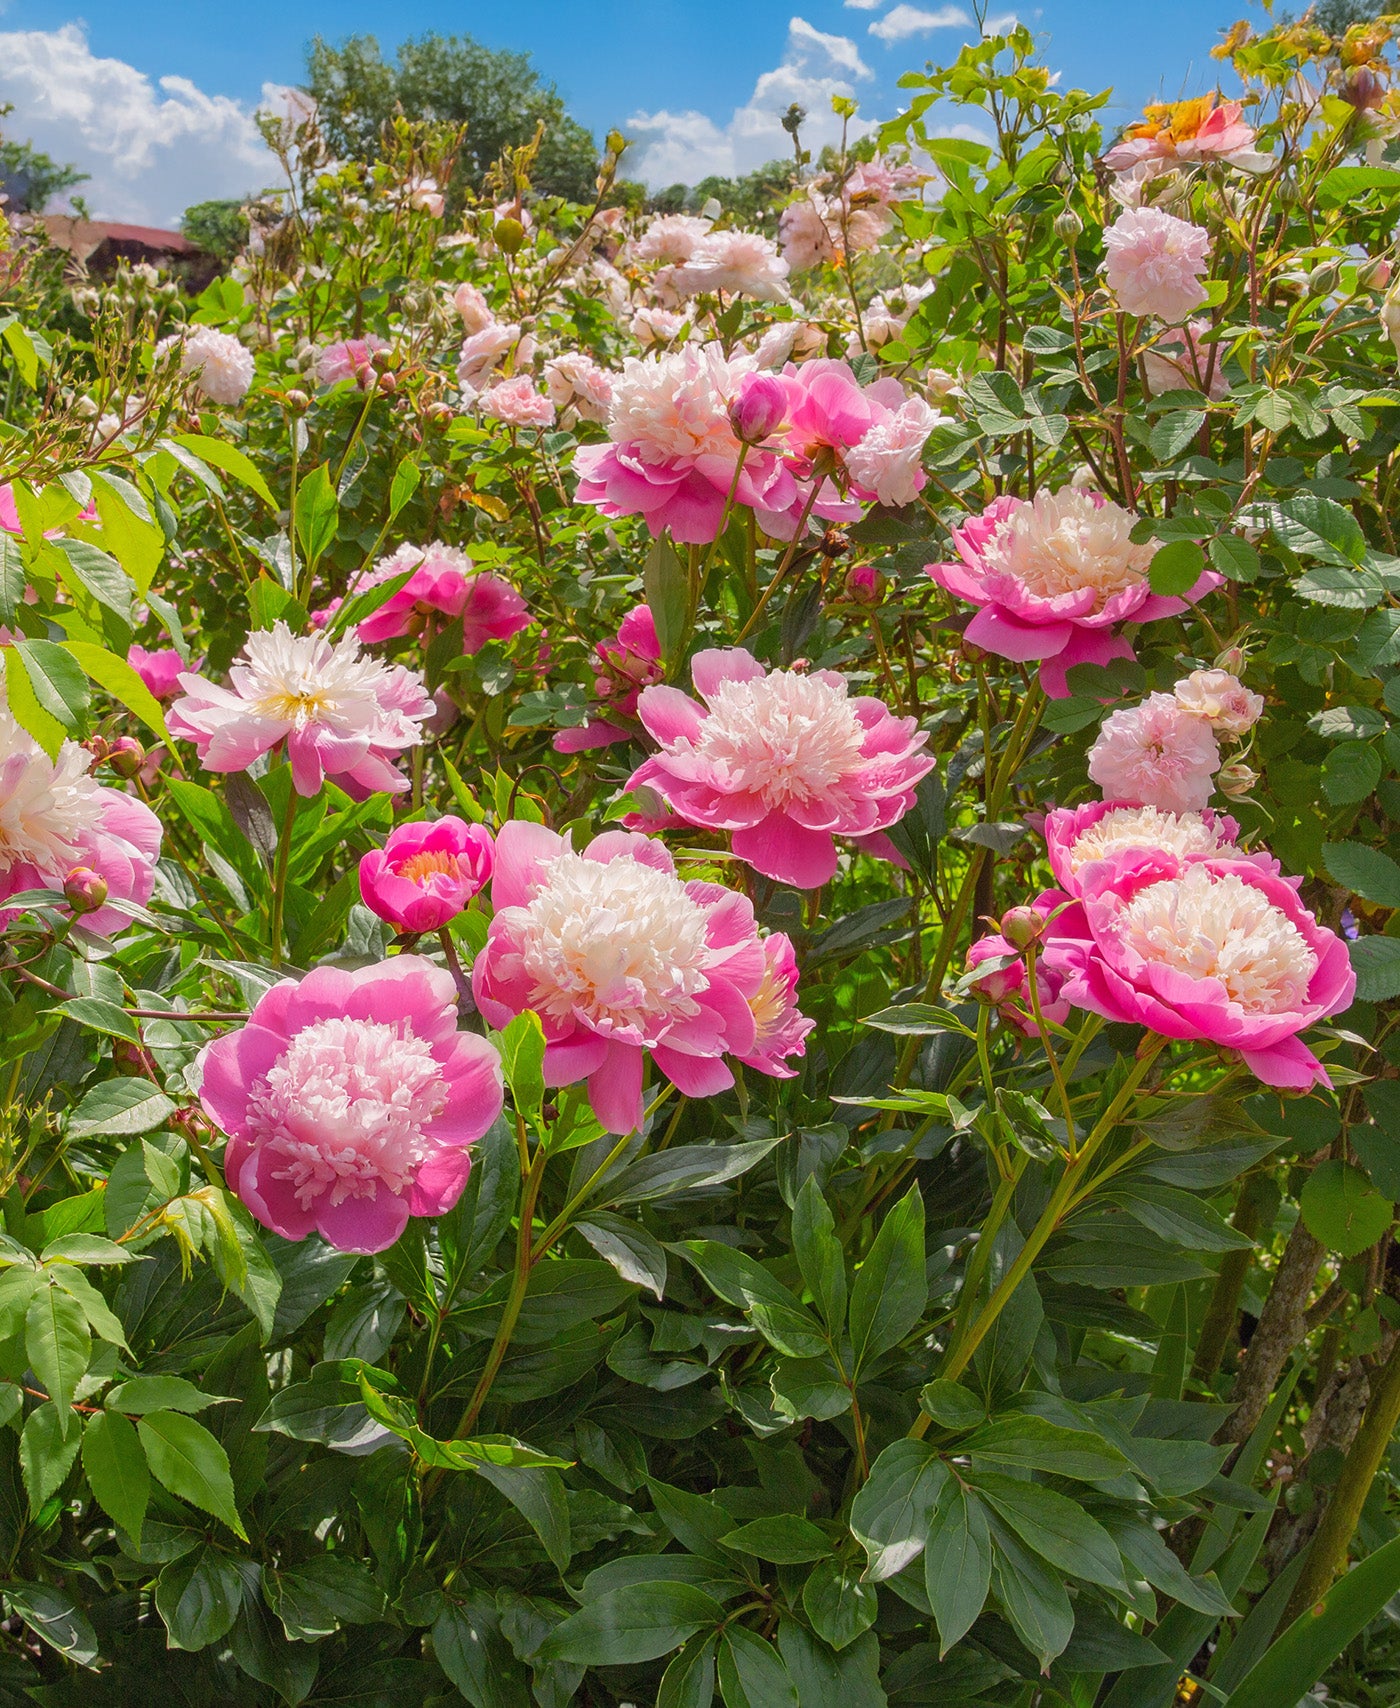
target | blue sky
x=153, y=96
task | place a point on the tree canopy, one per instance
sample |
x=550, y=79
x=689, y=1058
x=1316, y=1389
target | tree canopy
x=499, y=96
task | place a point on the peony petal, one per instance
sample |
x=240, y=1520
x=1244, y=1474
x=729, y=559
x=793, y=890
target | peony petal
x=615, y=1089
x=785, y=851
x=364, y=1225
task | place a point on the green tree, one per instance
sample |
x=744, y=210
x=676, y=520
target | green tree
x=498, y=95
x=219, y=228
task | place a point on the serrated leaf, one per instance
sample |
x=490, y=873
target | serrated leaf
x=1366, y=872
x=115, y=1464
x=58, y=1343
x=186, y=1459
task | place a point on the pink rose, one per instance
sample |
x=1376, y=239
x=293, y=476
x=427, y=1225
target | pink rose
x=1156, y=754
x=1154, y=263
x=351, y=359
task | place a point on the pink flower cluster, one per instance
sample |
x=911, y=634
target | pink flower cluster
x=1164, y=752
x=783, y=760
x=621, y=959
x=1055, y=578
x=351, y=1101
x=675, y=458
x=444, y=584
x=826, y=224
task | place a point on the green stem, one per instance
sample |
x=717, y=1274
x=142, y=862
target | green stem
x=279, y=881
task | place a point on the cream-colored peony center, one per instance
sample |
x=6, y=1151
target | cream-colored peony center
x=1064, y=541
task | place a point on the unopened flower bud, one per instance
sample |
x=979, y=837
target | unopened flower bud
x=1324, y=278
x=1021, y=926
x=1068, y=225
x=1363, y=89
x=127, y=756
x=297, y=401
x=1233, y=659
x=759, y=409
x=84, y=890
x=389, y=381
x=1235, y=780
x=865, y=584
x=1373, y=275
x=509, y=235
x=440, y=414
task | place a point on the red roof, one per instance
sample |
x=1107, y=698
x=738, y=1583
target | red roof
x=81, y=237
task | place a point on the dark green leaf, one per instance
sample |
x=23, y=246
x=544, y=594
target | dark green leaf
x=891, y=1288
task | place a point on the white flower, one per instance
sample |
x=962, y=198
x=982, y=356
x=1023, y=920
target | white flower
x=887, y=460
x=48, y=807
x=1180, y=833
x=223, y=368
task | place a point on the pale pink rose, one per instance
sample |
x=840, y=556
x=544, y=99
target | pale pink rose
x=733, y=263
x=1189, y=131
x=783, y=760
x=350, y=359
x=425, y=194
x=159, y=670
x=670, y=238
x=619, y=958
x=1179, y=360
x=886, y=462
x=877, y=183
x=576, y=382
x=1054, y=579
x=1156, y=754
x=221, y=365
x=653, y=326
x=54, y=818
x=1217, y=950
x=341, y=715
x=472, y=308
x=1154, y=263
x=789, y=341
x=887, y=316
x=516, y=402
x=486, y=350
x=1221, y=699
x=805, y=231
x=351, y=1101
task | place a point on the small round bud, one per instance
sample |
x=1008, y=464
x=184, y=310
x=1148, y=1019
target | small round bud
x=297, y=401
x=1021, y=926
x=389, y=381
x=1363, y=89
x=1374, y=275
x=864, y=584
x=509, y=235
x=1324, y=278
x=1233, y=659
x=127, y=756
x=759, y=409
x=1235, y=780
x=84, y=890
x=1068, y=225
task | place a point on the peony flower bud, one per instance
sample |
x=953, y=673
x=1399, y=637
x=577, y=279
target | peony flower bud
x=126, y=756
x=760, y=408
x=297, y=401
x=1021, y=926
x=84, y=890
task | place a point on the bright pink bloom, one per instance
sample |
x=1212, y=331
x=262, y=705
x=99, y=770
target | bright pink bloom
x=437, y=588
x=493, y=611
x=1076, y=837
x=1219, y=950
x=1154, y=262
x=1055, y=579
x=618, y=957
x=55, y=818
x=516, y=402
x=786, y=761
x=782, y=1029
x=875, y=433
x=159, y=670
x=351, y=1100
x=759, y=408
x=425, y=874
x=341, y=715
x=624, y=667
x=1156, y=754
x=350, y=359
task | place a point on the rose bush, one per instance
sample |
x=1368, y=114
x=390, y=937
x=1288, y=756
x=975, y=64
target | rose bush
x=700, y=928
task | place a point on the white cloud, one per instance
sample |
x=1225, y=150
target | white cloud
x=150, y=149
x=1002, y=24
x=865, y=5
x=683, y=148
x=905, y=21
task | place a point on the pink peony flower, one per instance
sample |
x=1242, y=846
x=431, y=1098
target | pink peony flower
x=473, y=308
x=781, y=1029
x=733, y=263
x=516, y=402
x=425, y=874
x=624, y=667
x=159, y=670
x=342, y=716
x=350, y=359
x=784, y=761
x=438, y=586
x=1154, y=263
x=222, y=366
x=493, y=611
x=1156, y=754
x=759, y=408
x=54, y=819
x=1215, y=949
x=1055, y=577
x=673, y=451
x=1221, y=699
x=1179, y=360
x=575, y=382
x=350, y=1101
x=1076, y=837
x=618, y=957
